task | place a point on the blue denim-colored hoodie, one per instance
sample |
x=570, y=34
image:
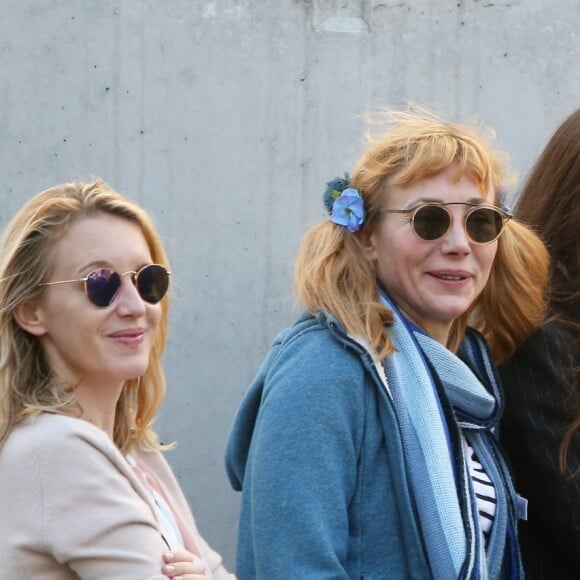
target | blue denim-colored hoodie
x=317, y=451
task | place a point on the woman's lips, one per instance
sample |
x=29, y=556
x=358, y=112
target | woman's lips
x=451, y=276
x=129, y=337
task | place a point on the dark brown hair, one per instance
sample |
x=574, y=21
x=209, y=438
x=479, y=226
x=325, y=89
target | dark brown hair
x=550, y=202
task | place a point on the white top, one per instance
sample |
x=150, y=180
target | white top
x=163, y=513
x=484, y=490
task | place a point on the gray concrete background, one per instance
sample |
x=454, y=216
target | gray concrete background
x=225, y=118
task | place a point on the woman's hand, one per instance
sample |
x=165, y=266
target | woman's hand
x=183, y=565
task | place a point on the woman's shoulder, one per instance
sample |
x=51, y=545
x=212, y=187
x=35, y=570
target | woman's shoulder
x=49, y=451
x=553, y=330
x=540, y=368
x=550, y=344
x=56, y=427
x=306, y=328
x=51, y=437
x=318, y=339
x=315, y=360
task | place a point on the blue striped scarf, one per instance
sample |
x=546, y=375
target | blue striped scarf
x=438, y=397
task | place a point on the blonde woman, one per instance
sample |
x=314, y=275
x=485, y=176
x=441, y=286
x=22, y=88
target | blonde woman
x=84, y=489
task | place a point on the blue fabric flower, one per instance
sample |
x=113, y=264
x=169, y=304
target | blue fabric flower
x=333, y=190
x=503, y=200
x=348, y=210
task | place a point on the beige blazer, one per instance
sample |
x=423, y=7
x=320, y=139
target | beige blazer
x=71, y=506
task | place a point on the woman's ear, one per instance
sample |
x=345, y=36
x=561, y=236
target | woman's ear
x=367, y=242
x=28, y=316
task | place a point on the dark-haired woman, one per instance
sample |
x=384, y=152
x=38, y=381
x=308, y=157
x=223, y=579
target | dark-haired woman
x=541, y=425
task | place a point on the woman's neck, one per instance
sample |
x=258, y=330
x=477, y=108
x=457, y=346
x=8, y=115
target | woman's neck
x=99, y=405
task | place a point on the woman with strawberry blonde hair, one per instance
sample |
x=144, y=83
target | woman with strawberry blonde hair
x=365, y=447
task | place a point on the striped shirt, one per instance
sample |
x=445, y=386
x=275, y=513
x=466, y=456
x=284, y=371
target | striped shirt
x=484, y=491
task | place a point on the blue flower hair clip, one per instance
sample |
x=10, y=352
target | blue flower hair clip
x=504, y=204
x=344, y=204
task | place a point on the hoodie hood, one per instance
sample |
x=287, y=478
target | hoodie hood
x=240, y=437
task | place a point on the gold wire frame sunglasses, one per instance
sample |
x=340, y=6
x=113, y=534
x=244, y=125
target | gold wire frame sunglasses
x=430, y=221
x=102, y=285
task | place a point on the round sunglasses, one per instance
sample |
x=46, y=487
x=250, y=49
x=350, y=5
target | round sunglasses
x=430, y=221
x=102, y=285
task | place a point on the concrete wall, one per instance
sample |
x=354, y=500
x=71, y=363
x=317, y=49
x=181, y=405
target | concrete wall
x=225, y=118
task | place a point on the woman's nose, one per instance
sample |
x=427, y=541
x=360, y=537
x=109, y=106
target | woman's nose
x=456, y=241
x=130, y=302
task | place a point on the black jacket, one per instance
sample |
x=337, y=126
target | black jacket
x=539, y=407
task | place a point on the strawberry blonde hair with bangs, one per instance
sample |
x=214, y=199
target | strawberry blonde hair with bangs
x=334, y=274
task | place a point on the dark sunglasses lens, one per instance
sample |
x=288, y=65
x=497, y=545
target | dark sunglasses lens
x=152, y=283
x=431, y=222
x=484, y=225
x=102, y=286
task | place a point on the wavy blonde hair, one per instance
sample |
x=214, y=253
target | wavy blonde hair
x=333, y=272
x=28, y=385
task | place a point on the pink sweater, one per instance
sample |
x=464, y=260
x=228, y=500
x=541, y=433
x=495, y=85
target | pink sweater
x=71, y=506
